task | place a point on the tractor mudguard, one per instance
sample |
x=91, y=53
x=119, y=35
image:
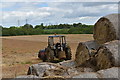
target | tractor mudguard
x=41, y=54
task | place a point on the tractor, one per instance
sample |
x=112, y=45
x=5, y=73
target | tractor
x=57, y=49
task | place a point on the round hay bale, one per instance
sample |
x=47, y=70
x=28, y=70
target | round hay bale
x=53, y=78
x=87, y=75
x=77, y=70
x=55, y=72
x=89, y=70
x=73, y=71
x=106, y=29
x=109, y=73
x=68, y=63
x=107, y=55
x=27, y=76
x=39, y=69
x=85, y=50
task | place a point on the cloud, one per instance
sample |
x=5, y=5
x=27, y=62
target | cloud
x=12, y=17
x=87, y=17
x=79, y=9
x=60, y=1
x=56, y=12
x=98, y=3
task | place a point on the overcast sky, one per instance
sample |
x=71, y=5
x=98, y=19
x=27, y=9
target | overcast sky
x=54, y=12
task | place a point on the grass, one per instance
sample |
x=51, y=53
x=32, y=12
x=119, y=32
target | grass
x=52, y=31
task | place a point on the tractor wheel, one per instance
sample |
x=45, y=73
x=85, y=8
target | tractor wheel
x=68, y=53
x=49, y=55
x=39, y=55
x=42, y=56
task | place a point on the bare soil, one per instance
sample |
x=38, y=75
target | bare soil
x=19, y=52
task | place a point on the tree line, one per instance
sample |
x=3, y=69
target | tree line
x=28, y=29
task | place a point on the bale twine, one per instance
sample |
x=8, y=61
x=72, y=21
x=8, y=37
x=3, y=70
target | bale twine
x=107, y=55
x=85, y=50
x=107, y=29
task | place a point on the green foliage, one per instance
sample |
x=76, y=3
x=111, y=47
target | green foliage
x=1, y=30
x=27, y=29
x=20, y=31
x=60, y=26
x=85, y=29
x=27, y=26
x=57, y=31
x=39, y=26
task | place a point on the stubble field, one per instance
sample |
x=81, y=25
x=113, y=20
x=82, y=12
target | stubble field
x=19, y=52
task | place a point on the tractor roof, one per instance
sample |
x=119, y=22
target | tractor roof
x=56, y=36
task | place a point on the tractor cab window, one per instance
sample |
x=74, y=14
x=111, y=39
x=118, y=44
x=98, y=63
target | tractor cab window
x=50, y=41
x=56, y=40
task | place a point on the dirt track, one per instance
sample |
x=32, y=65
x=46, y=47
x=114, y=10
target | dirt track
x=18, y=52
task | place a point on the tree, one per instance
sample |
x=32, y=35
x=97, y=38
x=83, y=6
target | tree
x=27, y=26
x=40, y=26
x=12, y=27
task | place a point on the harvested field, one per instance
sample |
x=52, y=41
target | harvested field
x=19, y=52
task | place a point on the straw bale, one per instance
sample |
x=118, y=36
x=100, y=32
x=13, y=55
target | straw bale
x=107, y=29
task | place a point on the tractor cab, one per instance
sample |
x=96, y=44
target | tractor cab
x=57, y=42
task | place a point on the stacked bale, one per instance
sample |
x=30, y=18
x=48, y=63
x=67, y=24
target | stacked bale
x=98, y=52
x=107, y=29
x=68, y=63
x=109, y=73
x=85, y=51
x=26, y=76
x=53, y=78
x=39, y=69
x=65, y=69
x=78, y=70
x=87, y=75
x=107, y=55
x=56, y=72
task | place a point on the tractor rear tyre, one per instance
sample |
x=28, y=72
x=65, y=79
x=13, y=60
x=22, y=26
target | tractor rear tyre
x=49, y=55
x=42, y=57
x=68, y=53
